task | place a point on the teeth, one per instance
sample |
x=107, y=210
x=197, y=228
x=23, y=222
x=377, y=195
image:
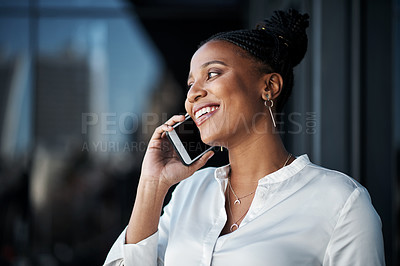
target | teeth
x=205, y=110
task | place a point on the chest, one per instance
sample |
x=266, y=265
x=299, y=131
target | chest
x=281, y=235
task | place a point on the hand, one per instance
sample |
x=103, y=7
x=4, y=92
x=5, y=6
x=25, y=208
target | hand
x=161, y=164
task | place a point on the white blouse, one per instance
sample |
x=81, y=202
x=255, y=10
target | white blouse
x=302, y=214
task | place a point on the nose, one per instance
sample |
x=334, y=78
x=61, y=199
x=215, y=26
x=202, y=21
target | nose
x=195, y=93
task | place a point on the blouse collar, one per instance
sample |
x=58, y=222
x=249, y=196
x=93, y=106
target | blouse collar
x=221, y=173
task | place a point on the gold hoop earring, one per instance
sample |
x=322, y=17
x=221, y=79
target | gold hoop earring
x=269, y=103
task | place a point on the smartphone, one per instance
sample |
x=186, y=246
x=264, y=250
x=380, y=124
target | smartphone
x=185, y=137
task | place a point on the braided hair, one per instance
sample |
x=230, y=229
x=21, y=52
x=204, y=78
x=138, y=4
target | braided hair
x=278, y=43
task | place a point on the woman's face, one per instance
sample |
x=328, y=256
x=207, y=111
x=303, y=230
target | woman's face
x=225, y=93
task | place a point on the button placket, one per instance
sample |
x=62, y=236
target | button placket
x=257, y=205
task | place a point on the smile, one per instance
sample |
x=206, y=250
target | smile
x=201, y=115
x=205, y=110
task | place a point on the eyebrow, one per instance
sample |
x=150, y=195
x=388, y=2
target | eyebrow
x=210, y=63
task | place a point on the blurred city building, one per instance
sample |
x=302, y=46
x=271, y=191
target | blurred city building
x=76, y=79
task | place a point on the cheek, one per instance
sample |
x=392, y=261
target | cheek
x=187, y=106
x=237, y=93
x=240, y=85
x=244, y=106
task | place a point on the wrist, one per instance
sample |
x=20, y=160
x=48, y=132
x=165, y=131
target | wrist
x=153, y=185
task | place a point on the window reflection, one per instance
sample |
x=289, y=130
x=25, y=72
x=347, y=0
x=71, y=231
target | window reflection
x=14, y=3
x=15, y=89
x=115, y=68
x=83, y=3
x=79, y=97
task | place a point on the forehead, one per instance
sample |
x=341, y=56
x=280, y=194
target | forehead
x=221, y=51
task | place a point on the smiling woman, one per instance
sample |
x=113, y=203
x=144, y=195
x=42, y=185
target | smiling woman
x=267, y=207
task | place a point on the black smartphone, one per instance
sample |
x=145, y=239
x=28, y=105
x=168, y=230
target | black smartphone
x=185, y=137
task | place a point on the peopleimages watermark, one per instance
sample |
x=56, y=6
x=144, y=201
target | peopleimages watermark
x=125, y=123
x=129, y=123
x=114, y=146
x=132, y=146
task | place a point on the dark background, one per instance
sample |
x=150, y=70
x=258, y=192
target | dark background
x=83, y=83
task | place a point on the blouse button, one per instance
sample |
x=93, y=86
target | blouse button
x=219, y=172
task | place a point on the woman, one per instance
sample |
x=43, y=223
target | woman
x=267, y=207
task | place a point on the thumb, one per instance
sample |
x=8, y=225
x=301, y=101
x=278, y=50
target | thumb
x=202, y=161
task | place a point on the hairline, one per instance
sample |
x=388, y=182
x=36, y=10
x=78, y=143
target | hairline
x=262, y=67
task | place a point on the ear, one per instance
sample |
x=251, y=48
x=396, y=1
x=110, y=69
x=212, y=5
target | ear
x=273, y=86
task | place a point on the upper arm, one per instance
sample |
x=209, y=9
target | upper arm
x=163, y=230
x=357, y=236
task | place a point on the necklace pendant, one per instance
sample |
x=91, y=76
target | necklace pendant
x=234, y=227
x=236, y=201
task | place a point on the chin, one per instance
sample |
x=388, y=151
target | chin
x=211, y=140
x=207, y=141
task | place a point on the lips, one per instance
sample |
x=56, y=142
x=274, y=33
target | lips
x=205, y=110
x=202, y=113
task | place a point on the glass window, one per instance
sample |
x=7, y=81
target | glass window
x=15, y=87
x=110, y=67
x=84, y=3
x=14, y=3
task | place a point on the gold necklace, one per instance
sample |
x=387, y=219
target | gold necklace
x=235, y=225
x=237, y=201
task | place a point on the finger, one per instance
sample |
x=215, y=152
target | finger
x=167, y=126
x=202, y=161
x=175, y=119
x=159, y=131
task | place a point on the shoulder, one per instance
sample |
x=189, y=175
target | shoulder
x=356, y=228
x=202, y=187
x=333, y=191
x=346, y=211
x=333, y=183
x=201, y=180
x=200, y=177
x=336, y=194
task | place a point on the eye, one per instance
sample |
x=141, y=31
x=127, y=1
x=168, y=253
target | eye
x=189, y=86
x=211, y=74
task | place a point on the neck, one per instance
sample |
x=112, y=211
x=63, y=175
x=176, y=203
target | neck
x=255, y=157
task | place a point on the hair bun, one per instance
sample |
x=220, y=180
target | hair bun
x=289, y=28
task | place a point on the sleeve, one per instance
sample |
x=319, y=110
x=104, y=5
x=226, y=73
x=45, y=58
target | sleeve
x=357, y=237
x=148, y=252
x=142, y=253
